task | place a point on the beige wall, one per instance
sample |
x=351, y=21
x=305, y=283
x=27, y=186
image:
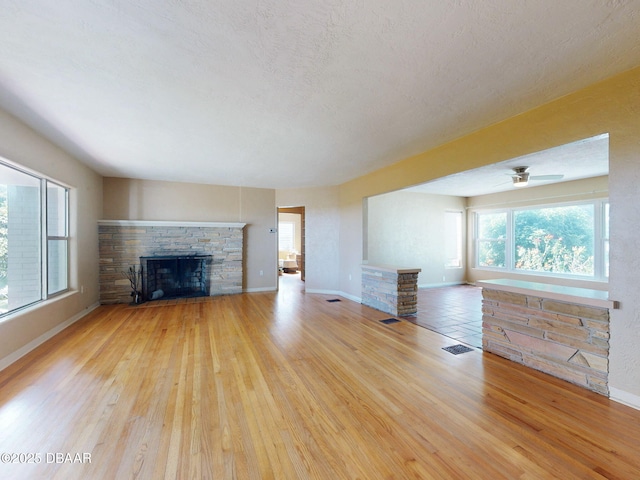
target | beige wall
x=22, y=331
x=129, y=199
x=611, y=106
x=407, y=229
x=322, y=229
x=587, y=189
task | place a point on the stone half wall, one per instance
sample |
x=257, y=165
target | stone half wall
x=122, y=243
x=569, y=341
x=391, y=290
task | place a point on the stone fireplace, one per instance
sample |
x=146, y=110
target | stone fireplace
x=125, y=243
x=172, y=276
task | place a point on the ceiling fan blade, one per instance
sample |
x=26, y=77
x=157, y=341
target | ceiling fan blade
x=503, y=183
x=546, y=177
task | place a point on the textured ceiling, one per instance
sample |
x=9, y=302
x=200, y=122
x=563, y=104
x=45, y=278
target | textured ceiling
x=283, y=93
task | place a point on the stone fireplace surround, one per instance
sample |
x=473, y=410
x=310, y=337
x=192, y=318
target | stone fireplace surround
x=123, y=242
x=175, y=276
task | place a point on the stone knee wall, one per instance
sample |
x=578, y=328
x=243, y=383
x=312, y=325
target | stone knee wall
x=121, y=246
x=566, y=340
x=390, y=292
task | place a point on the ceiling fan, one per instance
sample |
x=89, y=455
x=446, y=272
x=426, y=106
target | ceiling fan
x=521, y=176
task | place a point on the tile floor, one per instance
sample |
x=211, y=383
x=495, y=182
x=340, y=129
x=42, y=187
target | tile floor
x=455, y=312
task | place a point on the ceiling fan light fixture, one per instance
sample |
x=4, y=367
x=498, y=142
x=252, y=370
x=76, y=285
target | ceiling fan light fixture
x=521, y=181
x=520, y=177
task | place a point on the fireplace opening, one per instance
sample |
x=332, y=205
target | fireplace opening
x=169, y=277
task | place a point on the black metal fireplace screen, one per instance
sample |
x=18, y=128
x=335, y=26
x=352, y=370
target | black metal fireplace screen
x=175, y=276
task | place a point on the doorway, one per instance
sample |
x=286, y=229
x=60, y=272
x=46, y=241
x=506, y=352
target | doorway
x=291, y=242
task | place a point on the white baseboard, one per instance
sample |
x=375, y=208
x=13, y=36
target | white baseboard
x=261, y=289
x=626, y=398
x=436, y=285
x=21, y=352
x=335, y=292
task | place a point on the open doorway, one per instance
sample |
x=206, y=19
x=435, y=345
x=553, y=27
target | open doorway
x=554, y=202
x=291, y=243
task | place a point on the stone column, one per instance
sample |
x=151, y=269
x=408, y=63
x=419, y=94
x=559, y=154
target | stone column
x=390, y=289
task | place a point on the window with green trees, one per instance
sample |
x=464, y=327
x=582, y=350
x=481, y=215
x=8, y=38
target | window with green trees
x=569, y=240
x=492, y=237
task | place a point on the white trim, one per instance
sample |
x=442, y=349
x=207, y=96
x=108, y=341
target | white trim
x=21, y=352
x=580, y=296
x=155, y=223
x=390, y=268
x=335, y=292
x=510, y=211
x=443, y=284
x=626, y=398
x=260, y=289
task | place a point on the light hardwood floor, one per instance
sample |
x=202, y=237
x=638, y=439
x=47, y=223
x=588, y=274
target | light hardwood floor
x=288, y=385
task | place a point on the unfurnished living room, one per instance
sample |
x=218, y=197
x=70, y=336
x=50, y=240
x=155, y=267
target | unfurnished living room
x=320, y=240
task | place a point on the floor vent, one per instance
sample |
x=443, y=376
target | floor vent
x=389, y=321
x=458, y=349
x=333, y=300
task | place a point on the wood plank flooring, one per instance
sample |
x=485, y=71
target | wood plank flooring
x=287, y=385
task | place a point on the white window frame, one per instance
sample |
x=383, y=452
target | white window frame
x=44, y=186
x=477, y=239
x=45, y=237
x=600, y=240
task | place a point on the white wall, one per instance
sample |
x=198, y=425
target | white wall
x=322, y=234
x=406, y=229
x=24, y=330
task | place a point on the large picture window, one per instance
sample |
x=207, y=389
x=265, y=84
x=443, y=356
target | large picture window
x=34, y=238
x=564, y=240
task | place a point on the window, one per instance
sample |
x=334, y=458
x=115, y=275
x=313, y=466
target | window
x=491, y=231
x=453, y=239
x=555, y=239
x=34, y=238
x=605, y=239
x=286, y=236
x=57, y=237
x=565, y=240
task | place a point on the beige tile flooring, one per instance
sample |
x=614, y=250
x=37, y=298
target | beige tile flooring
x=455, y=312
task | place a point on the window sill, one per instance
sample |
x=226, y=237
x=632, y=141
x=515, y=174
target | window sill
x=583, y=296
x=36, y=306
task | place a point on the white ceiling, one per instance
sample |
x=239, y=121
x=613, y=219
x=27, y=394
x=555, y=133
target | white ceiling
x=284, y=93
x=582, y=159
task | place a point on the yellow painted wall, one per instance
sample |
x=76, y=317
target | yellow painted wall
x=611, y=106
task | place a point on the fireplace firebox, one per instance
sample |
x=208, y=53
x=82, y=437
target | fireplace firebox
x=175, y=276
